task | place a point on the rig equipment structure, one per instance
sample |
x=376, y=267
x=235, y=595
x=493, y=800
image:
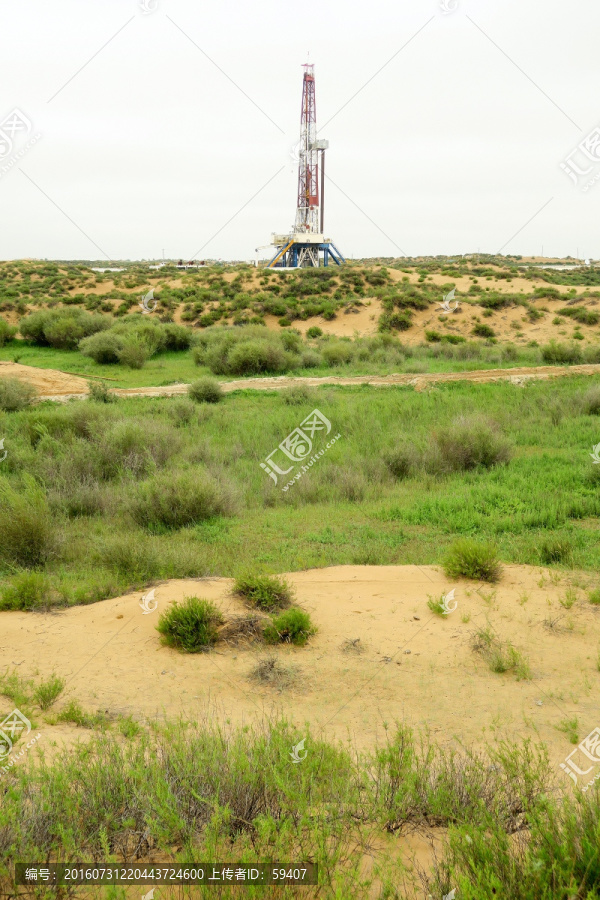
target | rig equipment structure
x=303, y=246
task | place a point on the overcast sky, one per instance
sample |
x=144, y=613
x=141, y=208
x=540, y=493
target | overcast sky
x=171, y=127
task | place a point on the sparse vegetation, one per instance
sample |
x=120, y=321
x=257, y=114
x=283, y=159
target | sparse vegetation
x=499, y=655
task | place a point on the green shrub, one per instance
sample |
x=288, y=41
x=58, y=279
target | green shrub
x=337, y=353
x=310, y=359
x=591, y=401
x=27, y=591
x=469, y=442
x=99, y=392
x=297, y=395
x=134, y=353
x=594, y=597
x=256, y=358
x=472, y=559
x=28, y=532
x=561, y=353
x=62, y=328
x=293, y=626
x=483, y=331
x=103, y=347
x=15, y=394
x=7, y=332
x=314, y=331
x=191, y=626
x=205, y=390
x=178, y=499
x=264, y=591
x=500, y=656
x=401, y=462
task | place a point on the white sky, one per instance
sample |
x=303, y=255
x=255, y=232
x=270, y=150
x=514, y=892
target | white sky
x=451, y=148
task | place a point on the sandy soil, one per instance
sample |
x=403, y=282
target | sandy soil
x=414, y=666
x=60, y=386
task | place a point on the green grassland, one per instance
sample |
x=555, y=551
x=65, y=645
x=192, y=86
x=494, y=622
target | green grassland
x=96, y=497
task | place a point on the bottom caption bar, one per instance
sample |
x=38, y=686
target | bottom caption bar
x=195, y=873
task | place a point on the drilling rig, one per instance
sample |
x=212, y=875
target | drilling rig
x=306, y=244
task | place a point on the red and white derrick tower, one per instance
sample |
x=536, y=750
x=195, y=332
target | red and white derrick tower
x=305, y=244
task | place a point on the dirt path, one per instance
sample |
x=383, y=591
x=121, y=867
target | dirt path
x=60, y=386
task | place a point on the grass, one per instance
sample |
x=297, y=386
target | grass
x=472, y=559
x=293, y=626
x=237, y=790
x=190, y=626
x=99, y=499
x=265, y=592
x=47, y=693
x=570, y=727
x=500, y=656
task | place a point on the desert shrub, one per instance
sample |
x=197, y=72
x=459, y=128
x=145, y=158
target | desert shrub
x=585, y=316
x=510, y=353
x=28, y=532
x=310, y=359
x=472, y=559
x=591, y=401
x=561, y=353
x=176, y=337
x=293, y=626
x=297, y=395
x=28, y=590
x=191, y=626
x=555, y=550
x=483, y=331
x=62, y=328
x=337, y=353
x=469, y=441
x=7, y=332
x=99, y=392
x=205, y=390
x=402, y=461
x=134, y=353
x=314, y=331
x=174, y=500
x=182, y=411
x=15, y=394
x=264, y=591
x=256, y=357
x=103, y=347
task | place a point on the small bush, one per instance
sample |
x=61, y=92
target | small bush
x=15, y=394
x=104, y=347
x=134, y=353
x=469, y=442
x=264, y=591
x=255, y=358
x=175, y=500
x=29, y=590
x=293, y=626
x=7, y=332
x=401, y=462
x=269, y=672
x=297, y=395
x=190, y=626
x=561, y=353
x=483, y=331
x=338, y=353
x=48, y=692
x=314, y=331
x=205, y=390
x=472, y=559
x=99, y=392
x=310, y=359
x=28, y=532
x=594, y=597
x=591, y=401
